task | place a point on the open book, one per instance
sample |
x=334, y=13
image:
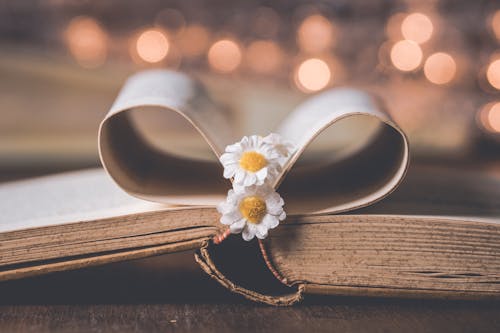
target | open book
x=355, y=225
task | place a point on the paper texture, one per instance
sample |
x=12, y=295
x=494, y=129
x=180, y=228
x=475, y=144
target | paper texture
x=61, y=199
x=367, y=165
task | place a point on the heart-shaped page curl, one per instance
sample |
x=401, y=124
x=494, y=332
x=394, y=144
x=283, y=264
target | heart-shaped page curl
x=349, y=151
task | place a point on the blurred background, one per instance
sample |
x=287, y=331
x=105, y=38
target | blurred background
x=436, y=63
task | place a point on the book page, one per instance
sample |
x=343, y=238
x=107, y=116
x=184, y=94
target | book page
x=164, y=170
x=66, y=198
x=349, y=152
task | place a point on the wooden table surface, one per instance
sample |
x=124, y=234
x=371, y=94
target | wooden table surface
x=170, y=293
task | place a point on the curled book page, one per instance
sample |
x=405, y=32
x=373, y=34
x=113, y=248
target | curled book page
x=349, y=152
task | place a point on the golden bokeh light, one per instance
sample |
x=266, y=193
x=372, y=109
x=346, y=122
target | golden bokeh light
x=87, y=41
x=194, y=40
x=406, y=55
x=315, y=34
x=493, y=74
x=495, y=24
x=152, y=45
x=224, y=55
x=264, y=56
x=417, y=27
x=440, y=68
x=490, y=117
x=312, y=75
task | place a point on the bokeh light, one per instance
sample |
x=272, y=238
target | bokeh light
x=312, y=75
x=493, y=74
x=489, y=117
x=495, y=24
x=494, y=117
x=264, y=56
x=440, y=68
x=315, y=34
x=87, y=41
x=406, y=55
x=152, y=45
x=224, y=55
x=194, y=40
x=417, y=27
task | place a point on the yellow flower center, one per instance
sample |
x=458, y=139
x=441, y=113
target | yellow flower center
x=252, y=161
x=253, y=209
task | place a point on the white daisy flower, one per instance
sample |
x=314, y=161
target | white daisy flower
x=284, y=148
x=252, y=211
x=251, y=161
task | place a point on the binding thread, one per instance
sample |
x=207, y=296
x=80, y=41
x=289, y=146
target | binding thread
x=273, y=270
x=221, y=237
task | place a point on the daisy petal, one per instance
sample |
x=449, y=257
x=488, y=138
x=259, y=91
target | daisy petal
x=261, y=174
x=274, y=199
x=239, y=189
x=250, y=179
x=239, y=176
x=272, y=138
x=228, y=158
x=230, y=170
x=248, y=233
x=264, y=191
x=261, y=231
x=232, y=197
x=244, y=143
x=234, y=148
x=270, y=221
x=224, y=207
x=234, y=214
x=274, y=209
x=237, y=226
x=255, y=141
x=228, y=219
x=259, y=182
x=283, y=146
